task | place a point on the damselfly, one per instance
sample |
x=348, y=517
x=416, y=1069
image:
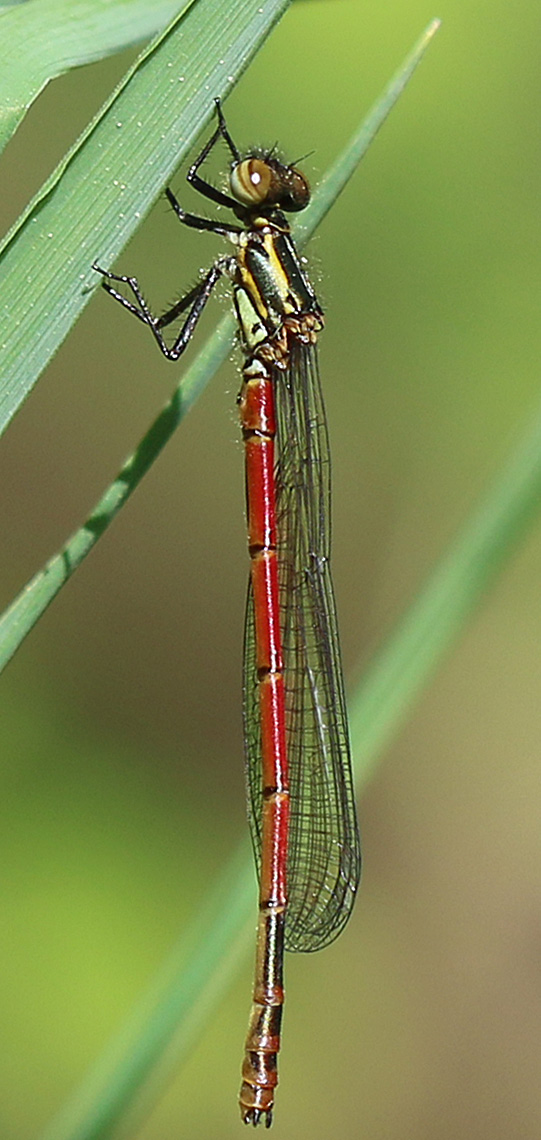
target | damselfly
x=300, y=790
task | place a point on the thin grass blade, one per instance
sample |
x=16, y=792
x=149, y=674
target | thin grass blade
x=385, y=694
x=171, y=1015
x=340, y=172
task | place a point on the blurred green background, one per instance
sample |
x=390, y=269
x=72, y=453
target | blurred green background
x=121, y=771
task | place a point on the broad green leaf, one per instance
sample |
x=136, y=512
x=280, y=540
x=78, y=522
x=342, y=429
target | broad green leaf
x=42, y=39
x=97, y=196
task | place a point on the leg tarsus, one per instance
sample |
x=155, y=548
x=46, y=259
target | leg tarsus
x=224, y=131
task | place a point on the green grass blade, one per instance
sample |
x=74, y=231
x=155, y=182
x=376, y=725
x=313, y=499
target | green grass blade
x=386, y=692
x=433, y=622
x=41, y=39
x=176, y=1007
x=18, y=619
x=24, y=611
x=340, y=173
x=93, y=202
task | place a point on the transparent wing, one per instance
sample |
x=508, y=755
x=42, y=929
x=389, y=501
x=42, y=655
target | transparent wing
x=324, y=854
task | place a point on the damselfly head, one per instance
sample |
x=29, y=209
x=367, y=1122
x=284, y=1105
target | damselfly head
x=267, y=182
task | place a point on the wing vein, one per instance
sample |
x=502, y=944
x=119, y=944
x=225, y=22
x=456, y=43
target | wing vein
x=324, y=855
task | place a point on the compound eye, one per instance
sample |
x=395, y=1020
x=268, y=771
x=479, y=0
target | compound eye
x=251, y=181
x=296, y=190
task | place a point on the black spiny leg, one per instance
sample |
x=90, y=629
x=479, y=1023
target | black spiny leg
x=201, y=184
x=195, y=301
x=197, y=223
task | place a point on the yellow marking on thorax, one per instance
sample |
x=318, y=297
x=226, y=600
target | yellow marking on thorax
x=275, y=271
x=249, y=284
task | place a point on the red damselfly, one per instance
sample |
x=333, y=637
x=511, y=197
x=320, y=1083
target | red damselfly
x=300, y=790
